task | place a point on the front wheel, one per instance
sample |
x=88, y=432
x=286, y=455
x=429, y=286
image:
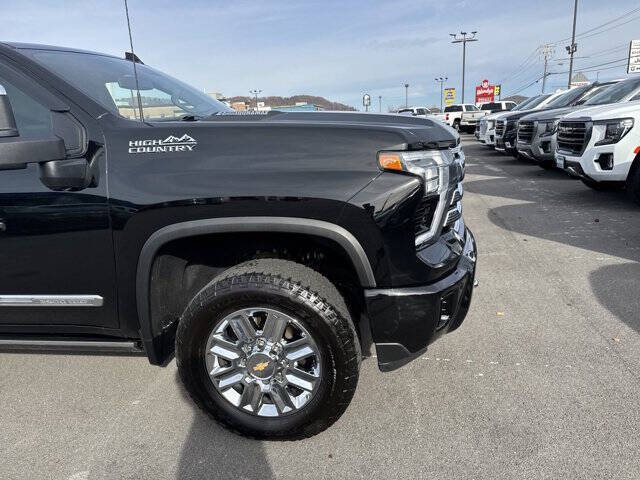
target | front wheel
x=633, y=182
x=456, y=125
x=547, y=164
x=269, y=350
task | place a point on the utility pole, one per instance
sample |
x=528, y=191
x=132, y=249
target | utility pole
x=547, y=52
x=441, y=81
x=380, y=103
x=255, y=92
x=406, y=95
x=463, y=38
x=573, y=47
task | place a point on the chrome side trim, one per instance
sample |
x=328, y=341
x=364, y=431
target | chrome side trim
x=51, y=301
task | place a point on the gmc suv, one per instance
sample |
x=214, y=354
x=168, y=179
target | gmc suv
x=268, y=252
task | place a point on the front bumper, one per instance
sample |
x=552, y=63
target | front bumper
x=507, y=143
x=404, y=321
x=543, y=148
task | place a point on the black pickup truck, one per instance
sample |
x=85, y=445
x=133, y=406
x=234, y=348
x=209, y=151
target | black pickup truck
x=268, y=253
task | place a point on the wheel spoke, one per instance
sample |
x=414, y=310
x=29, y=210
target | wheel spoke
x=233, y=378
x=225, y=349
x=301, y=379
x=281, y=399
x=274, y=326
x=298, y=350
x=243, y=328
x=252, y=396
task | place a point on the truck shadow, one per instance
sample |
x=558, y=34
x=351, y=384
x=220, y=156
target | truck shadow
x=211, y=452
x=616, y=288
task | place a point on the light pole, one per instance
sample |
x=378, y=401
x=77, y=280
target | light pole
x=255, y=92
x=574, y=46
x=441, y=81
x=463, y=38
x=406, y=95
x=380, y=103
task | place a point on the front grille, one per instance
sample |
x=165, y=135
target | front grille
x=500, y=128
x=423, y=215
x=525, y=132
x=573, y=137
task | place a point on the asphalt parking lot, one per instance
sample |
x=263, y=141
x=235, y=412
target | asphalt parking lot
x=542, y=380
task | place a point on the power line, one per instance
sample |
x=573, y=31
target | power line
x=582, y=34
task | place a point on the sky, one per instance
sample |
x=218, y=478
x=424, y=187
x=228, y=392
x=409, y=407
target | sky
x=340, y=49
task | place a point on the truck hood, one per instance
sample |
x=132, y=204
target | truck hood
x=611, y=111
x=418, y=132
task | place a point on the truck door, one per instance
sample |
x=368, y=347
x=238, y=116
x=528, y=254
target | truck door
x=56, y=252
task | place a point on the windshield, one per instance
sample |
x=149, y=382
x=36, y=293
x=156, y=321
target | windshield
x=568, y=98
x=523, y=104
x=537, y=101
x=110, y=82
x=615, y=93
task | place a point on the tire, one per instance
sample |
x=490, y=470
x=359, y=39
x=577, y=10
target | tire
x=287, y=289
x=456, y=125
x=602, y=186
x=633, y=182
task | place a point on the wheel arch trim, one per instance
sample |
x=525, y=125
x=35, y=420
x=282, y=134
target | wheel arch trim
x=164, y=235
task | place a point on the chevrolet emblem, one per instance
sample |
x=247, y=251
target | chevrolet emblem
x=260, y=366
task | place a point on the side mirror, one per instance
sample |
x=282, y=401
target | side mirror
x=73, y=174
x=8, y=126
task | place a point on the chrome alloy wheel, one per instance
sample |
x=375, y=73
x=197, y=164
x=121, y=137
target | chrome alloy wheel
x=263, y=362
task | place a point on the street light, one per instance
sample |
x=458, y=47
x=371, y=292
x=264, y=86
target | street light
x=255, y=92
x=441, y=81
x=463, y=38
x=406, y=95
x=380, y=103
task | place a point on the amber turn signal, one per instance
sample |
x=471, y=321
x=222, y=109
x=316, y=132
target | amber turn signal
x=390, y=161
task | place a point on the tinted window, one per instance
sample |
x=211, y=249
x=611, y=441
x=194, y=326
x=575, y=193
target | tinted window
x=490, y=106
x=568, y=98
x=592, y=93
x=509, y=106
x=615, y=93
x=537, y=101
x=453, y=108
x=471, y=108
x=421, y=111
x=32, y=118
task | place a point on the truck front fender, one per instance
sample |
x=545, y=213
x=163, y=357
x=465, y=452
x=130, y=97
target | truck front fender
x=158, y=343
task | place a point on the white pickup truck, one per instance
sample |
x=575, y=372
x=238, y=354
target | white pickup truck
x=462, y=116
x=601, y=145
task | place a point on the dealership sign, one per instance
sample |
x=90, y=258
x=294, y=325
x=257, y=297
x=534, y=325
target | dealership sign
x=485, y=93
x=633, y=66
x=449, y=96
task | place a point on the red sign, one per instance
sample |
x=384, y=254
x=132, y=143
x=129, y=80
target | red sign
x=485, y=92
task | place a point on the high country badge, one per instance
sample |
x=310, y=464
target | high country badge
x=185, y=143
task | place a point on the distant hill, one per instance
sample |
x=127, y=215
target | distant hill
x=274, y=102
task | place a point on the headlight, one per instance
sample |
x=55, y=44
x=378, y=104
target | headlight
x=431, y=165
x=615, y=130
x=491, y=124
x=550, y=127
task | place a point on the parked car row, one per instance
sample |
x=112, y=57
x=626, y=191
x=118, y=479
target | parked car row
x=592, y=132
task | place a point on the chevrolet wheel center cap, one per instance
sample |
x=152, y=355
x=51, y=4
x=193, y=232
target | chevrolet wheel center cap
x=261, y=366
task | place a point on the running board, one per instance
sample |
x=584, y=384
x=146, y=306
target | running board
x=70, y=346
